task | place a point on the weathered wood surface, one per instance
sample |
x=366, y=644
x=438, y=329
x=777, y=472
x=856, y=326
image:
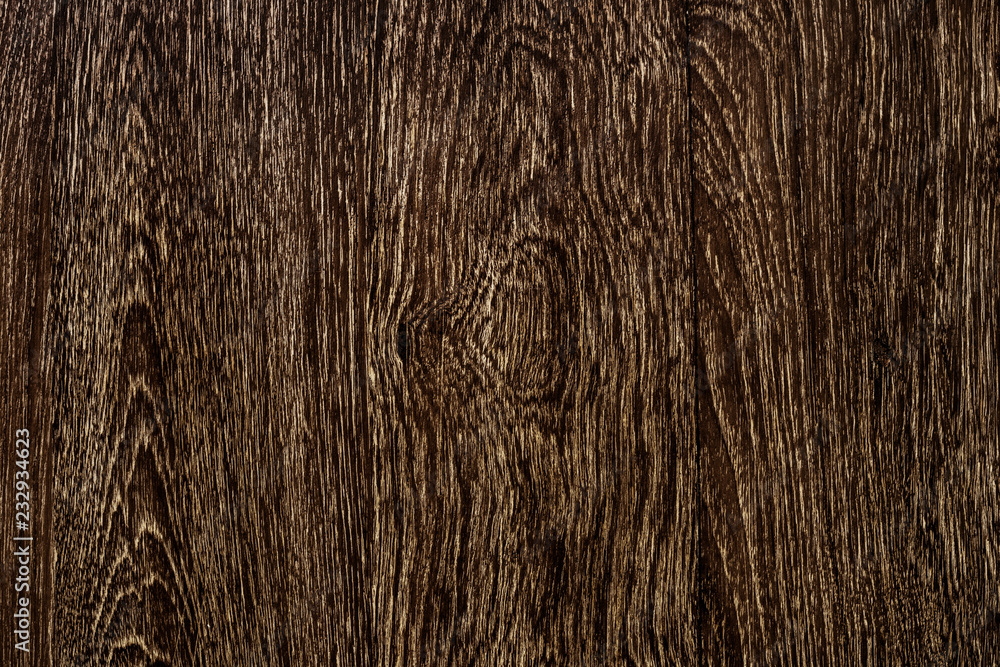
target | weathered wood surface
x=530, y=337
x=845, y=209
x=25, y=220
x=210, y=453
x=556, y=333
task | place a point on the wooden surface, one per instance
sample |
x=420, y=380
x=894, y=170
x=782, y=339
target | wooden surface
x=25, y=246
x=845, y=204
x=452, y=333
x=527, y=345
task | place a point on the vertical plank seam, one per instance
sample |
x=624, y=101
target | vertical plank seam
x=370, y=603
x=39, y=376
x=693, y=268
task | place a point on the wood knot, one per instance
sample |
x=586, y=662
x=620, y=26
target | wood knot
x=513, y=330
x=531, y=339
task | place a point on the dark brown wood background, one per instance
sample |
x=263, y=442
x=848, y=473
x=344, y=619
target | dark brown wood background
x=541, y=333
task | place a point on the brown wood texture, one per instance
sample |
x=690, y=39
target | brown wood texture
x=529, y=337
x=26, y=57
x=845, y=207
x=212, y=473
x=506, y=333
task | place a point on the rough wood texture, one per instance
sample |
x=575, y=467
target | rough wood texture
x=25, y=219
x=845, y=200
x=508, y=333
x=529, y=337
x=210, y=456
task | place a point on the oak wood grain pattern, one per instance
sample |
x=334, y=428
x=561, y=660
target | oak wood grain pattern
x=209, y=449
x=845, y=224
x=25, y=136
x=530, y=336
x=517, y=333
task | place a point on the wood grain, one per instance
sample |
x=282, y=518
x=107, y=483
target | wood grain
x=25, y=222
x=210, y=461
x=507, y=333
x=846, y=236
x=529, y=337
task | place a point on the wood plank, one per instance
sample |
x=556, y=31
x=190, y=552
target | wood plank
x=845, y=225
x=530, y=336
x=25, y=149
x=209, y=443
x=929, y=242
